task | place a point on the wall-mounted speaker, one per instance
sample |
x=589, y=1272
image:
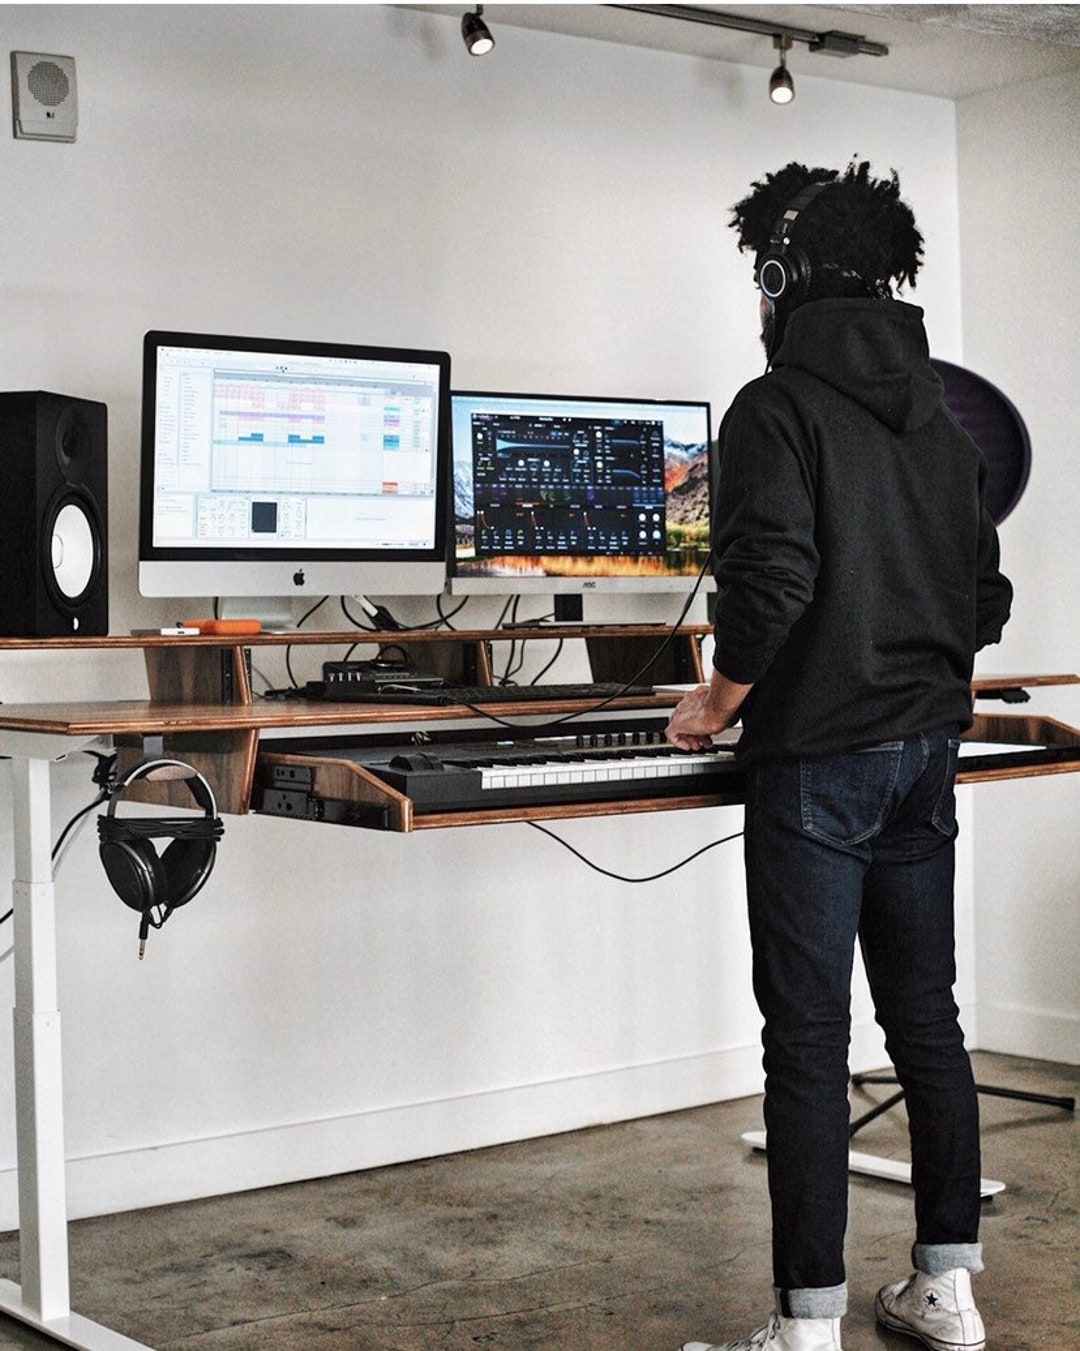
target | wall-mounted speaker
x=54, y=512
x=44, y=100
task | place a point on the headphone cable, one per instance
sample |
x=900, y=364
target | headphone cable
x=103, y=777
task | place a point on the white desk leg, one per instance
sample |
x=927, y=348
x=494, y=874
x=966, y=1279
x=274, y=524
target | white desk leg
x=43, y=1299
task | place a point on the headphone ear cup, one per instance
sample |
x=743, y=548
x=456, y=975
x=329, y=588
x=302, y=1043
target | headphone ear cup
x=784, y=275
x=800, y=271
x=135, y=872
x=186, y=865
x=773, y=277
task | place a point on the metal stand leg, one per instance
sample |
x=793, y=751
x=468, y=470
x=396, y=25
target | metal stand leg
x=868, y=1163
x=871, y=1165
x=1045, y=1099
x=43, y=1298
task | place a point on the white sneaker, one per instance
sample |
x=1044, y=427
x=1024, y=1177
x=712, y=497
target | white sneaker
x=938, y=1311
x=783, y=1334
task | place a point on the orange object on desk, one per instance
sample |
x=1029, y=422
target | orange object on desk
x=225, y=627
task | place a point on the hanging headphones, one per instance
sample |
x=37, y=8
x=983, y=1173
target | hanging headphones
x=154, y=884
x=783, y=270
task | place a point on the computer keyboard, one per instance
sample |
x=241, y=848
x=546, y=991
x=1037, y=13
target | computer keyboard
x=444, y=695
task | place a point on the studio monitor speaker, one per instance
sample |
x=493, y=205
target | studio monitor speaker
x=54, y=513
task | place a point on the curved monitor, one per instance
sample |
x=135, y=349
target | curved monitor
x=565, y=494
x=278, y=469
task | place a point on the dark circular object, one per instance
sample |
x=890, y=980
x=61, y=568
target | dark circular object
x=995, y=425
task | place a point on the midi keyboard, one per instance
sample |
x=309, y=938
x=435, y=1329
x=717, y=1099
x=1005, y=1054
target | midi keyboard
x=471, y=776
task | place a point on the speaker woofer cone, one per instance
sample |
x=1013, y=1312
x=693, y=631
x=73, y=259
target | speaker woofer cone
x=72, y=559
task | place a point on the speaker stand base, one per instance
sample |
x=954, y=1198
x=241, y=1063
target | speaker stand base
x=870, y=1165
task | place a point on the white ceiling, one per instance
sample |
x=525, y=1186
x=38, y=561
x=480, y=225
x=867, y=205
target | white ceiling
x=948, y=50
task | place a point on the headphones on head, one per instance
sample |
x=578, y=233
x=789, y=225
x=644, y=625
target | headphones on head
x=143, y=879
x=783, y=270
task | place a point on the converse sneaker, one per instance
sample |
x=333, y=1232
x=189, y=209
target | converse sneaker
x=783, y=1334
x=936, y=1310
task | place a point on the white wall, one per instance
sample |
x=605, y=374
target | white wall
x=1019, y=163
x=335, y=998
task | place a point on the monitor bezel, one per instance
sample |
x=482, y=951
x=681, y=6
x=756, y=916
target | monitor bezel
x=289, y=570
x=465, y=583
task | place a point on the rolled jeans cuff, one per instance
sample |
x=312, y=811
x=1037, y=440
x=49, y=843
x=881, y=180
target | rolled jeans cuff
x=824, y=1301
x=934, y=1259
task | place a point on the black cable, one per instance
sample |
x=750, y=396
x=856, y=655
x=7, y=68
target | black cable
x=308, y=613
x=635, y=679
x=515, y=659
x=289, y=670
x=394, y=626
x=103, y=796
x=510, y=601
x=356, y=623
x=510, y=670
x=545, y=669
x=288, y=650
x=434, y=623
x=618, y=877
x=445, y=619
x=103, y=776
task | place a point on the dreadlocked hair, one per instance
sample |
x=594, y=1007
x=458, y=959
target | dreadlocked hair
x=858, y=234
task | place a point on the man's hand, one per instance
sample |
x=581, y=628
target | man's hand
x=705, y=711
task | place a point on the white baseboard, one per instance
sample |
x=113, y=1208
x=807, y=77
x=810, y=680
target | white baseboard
x=185, y=1170
x=1040, y=1034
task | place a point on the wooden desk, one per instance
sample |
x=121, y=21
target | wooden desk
x=185, y=717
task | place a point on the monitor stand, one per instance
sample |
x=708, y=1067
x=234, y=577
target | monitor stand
x=275, y=613
x=567, y=609
x=570, y=609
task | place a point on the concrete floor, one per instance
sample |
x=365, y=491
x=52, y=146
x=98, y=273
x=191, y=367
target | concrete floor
x=632, y=1237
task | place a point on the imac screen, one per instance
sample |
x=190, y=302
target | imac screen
x=573, y=494
x=292, y=468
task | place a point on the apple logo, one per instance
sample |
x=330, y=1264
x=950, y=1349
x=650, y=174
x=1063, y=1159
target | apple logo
x=298, y=577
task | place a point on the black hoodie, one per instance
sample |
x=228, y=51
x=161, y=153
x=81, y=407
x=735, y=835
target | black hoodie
x=856, y=564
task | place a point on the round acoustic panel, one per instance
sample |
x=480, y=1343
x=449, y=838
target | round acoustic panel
x=996, y=427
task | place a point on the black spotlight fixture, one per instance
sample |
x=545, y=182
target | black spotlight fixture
x=781, y=85
x=475, y=33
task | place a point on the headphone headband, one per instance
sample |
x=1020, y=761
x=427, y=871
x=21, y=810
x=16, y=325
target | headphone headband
x=784, y=269
x=781, y=235
x=198, y=786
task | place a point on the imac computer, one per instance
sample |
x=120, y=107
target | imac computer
x=278, y=469
x=569, y=495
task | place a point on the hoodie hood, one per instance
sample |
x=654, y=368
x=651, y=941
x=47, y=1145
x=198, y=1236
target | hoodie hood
x=873, y=351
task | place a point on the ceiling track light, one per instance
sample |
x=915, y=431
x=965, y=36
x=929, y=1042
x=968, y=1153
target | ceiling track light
x=832, y=43
x=781, y=85
x=475, y=33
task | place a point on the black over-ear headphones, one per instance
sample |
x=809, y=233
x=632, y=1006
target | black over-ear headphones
x=783, y=271
x=141, y=878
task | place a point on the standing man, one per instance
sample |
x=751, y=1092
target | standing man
x=857, y=572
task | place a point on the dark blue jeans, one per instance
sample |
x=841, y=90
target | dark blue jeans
x=839, y=847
